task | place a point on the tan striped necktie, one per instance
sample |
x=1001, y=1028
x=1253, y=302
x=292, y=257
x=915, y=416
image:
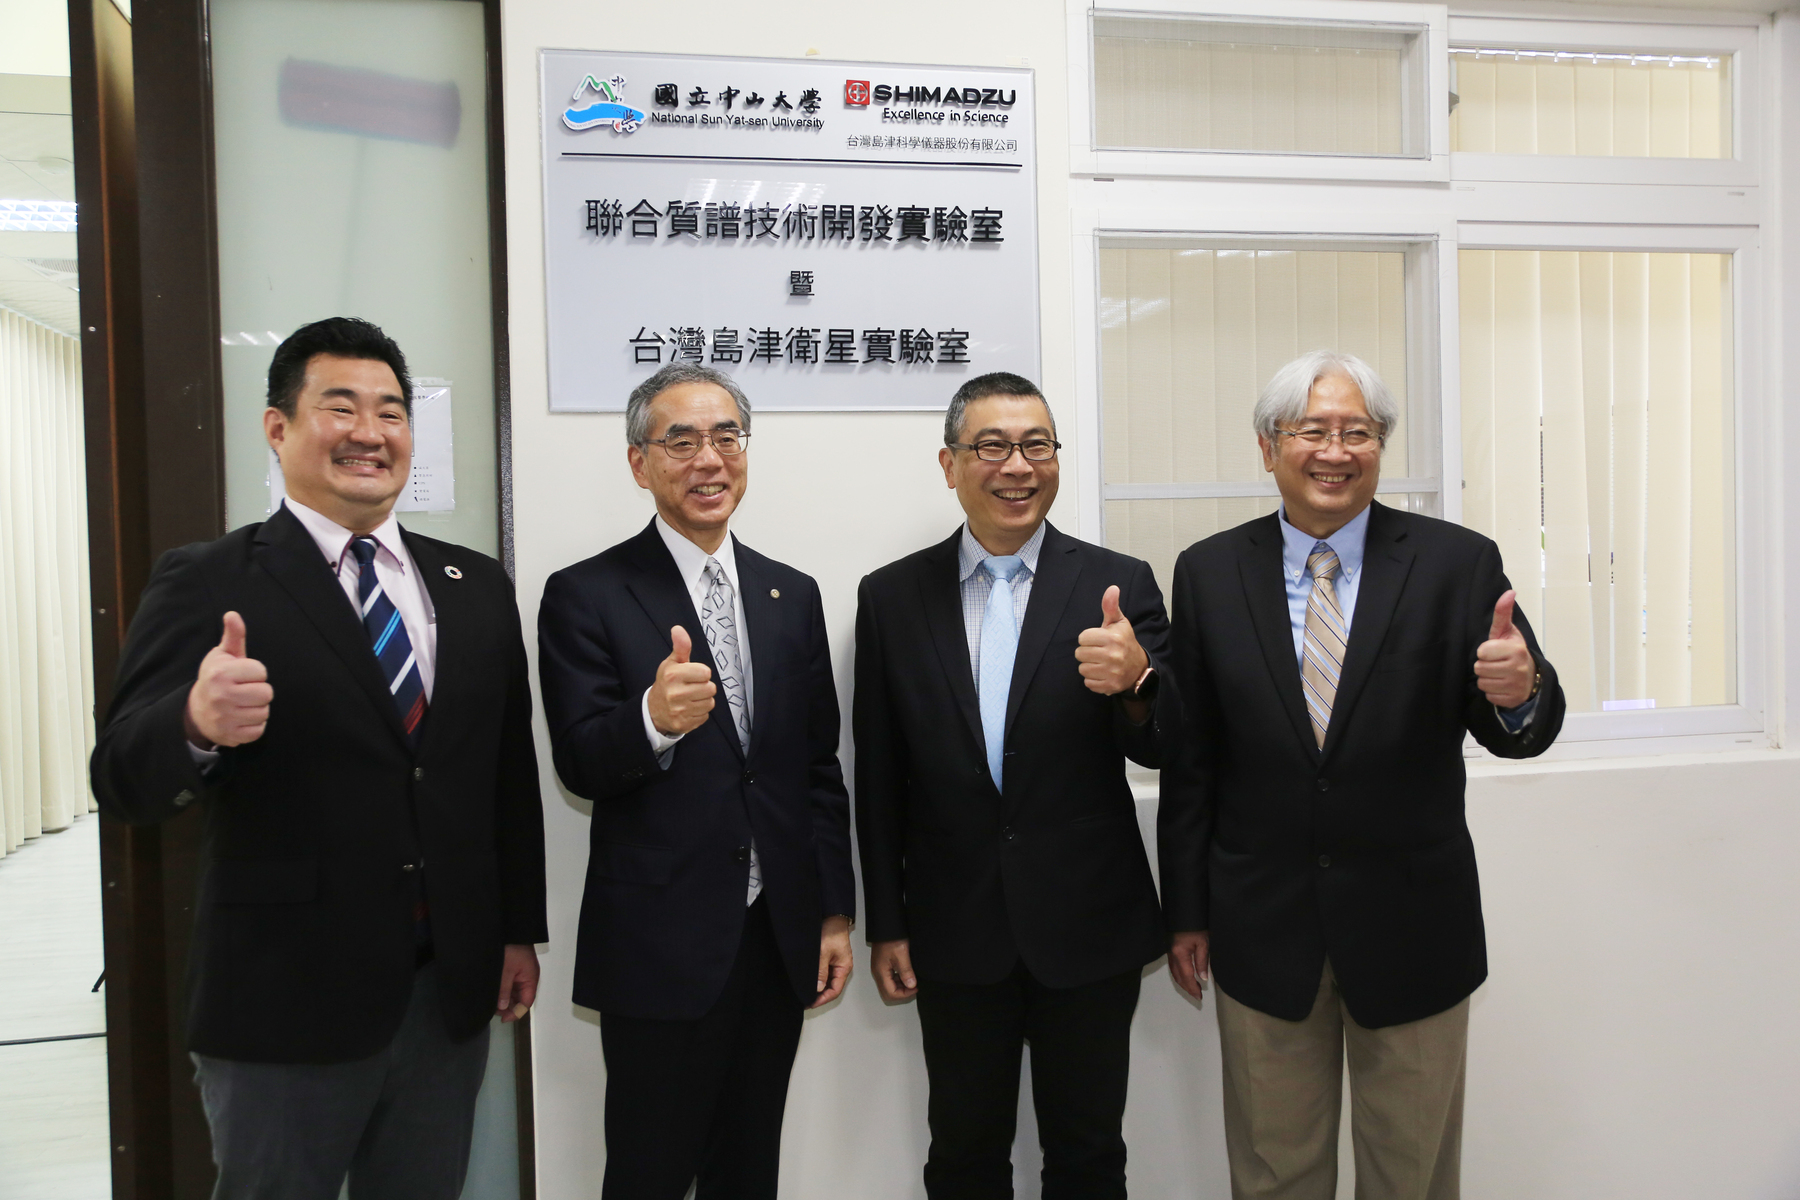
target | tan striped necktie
x=1322, y=649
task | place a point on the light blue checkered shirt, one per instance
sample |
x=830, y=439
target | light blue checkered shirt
x=976, y=584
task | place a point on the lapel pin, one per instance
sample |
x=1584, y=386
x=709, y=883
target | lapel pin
x=453, y=572
x=774, y=593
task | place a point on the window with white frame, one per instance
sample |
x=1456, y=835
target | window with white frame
x=1584, y=350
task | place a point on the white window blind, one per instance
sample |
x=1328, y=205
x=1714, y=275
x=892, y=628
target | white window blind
x=1188, y=337
x=1598, y=452
x=1591, y=103
x=1175, y=84
x=46, y=648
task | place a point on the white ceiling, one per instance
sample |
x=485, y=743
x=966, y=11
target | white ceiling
x=37, y=163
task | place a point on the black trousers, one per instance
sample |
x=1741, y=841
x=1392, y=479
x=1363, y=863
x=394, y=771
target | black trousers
x=1080, y=1059
x=704, y=1099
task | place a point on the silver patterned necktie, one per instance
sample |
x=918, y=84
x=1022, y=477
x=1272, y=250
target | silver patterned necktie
x=1322, y=647
x=718, y=617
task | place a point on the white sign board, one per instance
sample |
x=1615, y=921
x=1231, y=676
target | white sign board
x=431, y=484
x=836, y=236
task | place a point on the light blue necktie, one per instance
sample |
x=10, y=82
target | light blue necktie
x=999, y=647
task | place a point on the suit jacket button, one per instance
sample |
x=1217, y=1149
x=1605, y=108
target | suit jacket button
x=1324, y=785
x=749, y=776
x=1009, y=833
x=183, y=798
x=741, y=854
x=418, y=774
x=1324, y=860
x=409, y=866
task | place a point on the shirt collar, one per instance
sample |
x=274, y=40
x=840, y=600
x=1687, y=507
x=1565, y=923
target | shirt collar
x=970, y=553
x=333, y=539
x=1347, y=543
x=690, y=560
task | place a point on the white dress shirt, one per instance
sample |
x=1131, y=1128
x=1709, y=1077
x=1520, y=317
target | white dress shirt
x=690, y=564
x=397, y=574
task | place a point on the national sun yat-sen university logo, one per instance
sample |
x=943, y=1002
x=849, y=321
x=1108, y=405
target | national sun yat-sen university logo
x=609, y=109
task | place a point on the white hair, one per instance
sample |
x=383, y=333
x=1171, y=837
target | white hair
x=1283, y=400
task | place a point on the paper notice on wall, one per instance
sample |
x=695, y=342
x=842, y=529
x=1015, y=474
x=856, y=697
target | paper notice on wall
x=431, y=484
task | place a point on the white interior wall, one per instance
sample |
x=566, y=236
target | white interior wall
x=1633, y=1039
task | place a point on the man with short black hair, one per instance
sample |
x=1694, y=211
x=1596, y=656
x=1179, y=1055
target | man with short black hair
x=689, y=694
x=1003, y=677
x=1332, y=656
x=349, y=703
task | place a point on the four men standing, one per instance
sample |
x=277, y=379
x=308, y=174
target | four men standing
x=375, y=856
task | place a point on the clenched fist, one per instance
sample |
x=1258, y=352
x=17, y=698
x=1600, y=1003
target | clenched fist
x=682, y=695
x=1110, y=657
x=229, y=702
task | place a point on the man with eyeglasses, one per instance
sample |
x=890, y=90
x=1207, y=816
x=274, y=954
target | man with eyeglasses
x=1314, y=854
x=688, y=689
x=1003, y=677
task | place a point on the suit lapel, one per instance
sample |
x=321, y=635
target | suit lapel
x=663, y=595
x=940, y=598
x=1265, y=591
x=1387, y=561
x=292, y=559
x=453, y=620
x=763, y=614
x=1051, y=588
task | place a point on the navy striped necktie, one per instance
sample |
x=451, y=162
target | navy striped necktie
x=393, y=649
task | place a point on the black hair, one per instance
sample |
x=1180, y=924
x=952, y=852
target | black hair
x=994, y=383
x=343, y=337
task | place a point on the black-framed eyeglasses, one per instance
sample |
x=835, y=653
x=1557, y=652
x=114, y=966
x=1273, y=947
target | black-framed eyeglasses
x=687, y=442
x=1316, y=438
x=999, y=449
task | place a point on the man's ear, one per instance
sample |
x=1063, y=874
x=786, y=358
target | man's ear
x=946, y=460
x=275, y=425
x=1267, y=445
x=640, y=465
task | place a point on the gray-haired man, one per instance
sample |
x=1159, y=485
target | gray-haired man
x=688, y=688
x=1331, y=657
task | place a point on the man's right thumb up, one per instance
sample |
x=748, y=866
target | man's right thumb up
x=678, y=638
x=233, y=641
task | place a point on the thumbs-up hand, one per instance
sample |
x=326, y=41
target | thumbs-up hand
x=1110, y=657
x=683, y=692
x=229, y=702
x=1503, y=665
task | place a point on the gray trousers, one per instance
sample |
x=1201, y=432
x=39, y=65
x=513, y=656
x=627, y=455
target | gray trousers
x=397, y=1124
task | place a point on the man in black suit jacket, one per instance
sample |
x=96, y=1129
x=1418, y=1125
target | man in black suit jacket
x=1313, y=846
x=1003, y=677
x=688, y=686
x=373, y=868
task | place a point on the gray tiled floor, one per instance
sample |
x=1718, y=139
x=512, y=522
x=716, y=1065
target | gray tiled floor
x=53, y=1115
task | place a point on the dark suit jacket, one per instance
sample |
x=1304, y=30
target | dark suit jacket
x=668, y=861
x=303, y=930
x=1053, y=870
x=1359, y=852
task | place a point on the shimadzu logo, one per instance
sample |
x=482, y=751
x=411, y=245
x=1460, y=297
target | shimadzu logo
x=610, y=109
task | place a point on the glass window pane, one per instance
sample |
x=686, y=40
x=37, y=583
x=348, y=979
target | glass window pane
x=1594, y=103
x=351, y=147
x=1188, y=337
x=1597, y=448
x=1275, y=88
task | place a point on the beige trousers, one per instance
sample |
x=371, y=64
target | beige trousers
x=1284, y=1089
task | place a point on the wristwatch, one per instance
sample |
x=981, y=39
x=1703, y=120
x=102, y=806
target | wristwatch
x=1144, y=688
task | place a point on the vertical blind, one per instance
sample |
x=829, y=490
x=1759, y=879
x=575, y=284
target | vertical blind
x=1191, y=85
x=1611, y=105
x=46, y=649
x=1188, y=337
x=1597, y=451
